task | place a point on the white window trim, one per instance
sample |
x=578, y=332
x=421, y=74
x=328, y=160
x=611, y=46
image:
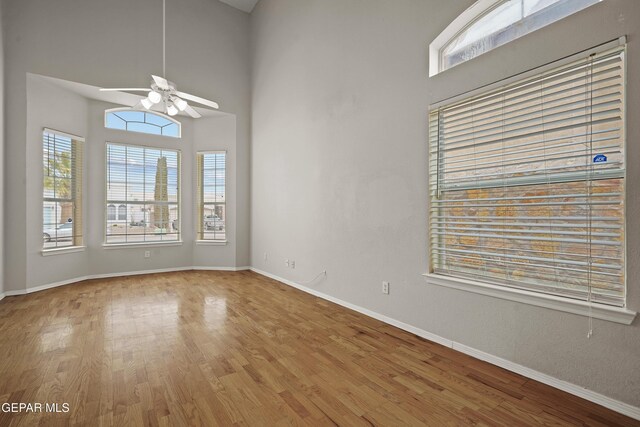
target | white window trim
x=210, y=242
x=140, y=244
x=106, y=184
x=63, y=250
x=65, y=134
x=70, y=249
x=582, y=308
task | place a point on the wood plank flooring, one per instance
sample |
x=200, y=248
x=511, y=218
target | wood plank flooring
x=223, y=348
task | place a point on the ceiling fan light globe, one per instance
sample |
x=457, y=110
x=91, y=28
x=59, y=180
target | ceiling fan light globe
x=172, y=110
x=146, y=103
x=155, y=97
x=180, y=103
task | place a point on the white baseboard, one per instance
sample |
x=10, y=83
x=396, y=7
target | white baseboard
x=2, y=295
x=121, y=274
x=220, y=268
x=592, y=396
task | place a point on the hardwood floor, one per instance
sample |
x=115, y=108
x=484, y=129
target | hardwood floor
x=222, y=348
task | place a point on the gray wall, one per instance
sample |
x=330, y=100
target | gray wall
x=219, y=134
x=54, y=107
x=340, y=96
x=119, y=43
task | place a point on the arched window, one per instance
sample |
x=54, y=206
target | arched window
x=142, y=121
x=488, y=24
x=122, y=213
x=111, y=212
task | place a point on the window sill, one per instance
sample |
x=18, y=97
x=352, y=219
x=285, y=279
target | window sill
x=139, y=245
x=598, y=311
x=61, y=251
x=211, y=242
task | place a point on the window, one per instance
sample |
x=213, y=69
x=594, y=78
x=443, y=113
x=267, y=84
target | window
x=527, y=183
x=62, y=190
x=211, y=198
x=142, y=121
x=488, y=24
x=122, y=213
x=143, y=194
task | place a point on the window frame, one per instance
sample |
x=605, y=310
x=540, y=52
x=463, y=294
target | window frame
x=156, y=113
x=111, y=216
x=199, y=203
x=107, y=245
x=623, y=315
x=465, y=20
x=119, y=212
x=78, y=204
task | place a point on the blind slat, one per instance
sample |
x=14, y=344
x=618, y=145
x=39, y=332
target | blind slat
x=526, y=111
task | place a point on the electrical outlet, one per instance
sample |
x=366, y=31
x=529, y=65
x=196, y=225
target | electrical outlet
x=266, y=257
x=292, y=264
x=147, y=254
x=385, y=288
x=286, y=262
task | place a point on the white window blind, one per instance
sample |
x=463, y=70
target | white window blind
x=211, y=197
x=527, y=183
x=143, y=194
x=62, y=190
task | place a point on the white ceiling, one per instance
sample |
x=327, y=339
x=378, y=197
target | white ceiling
x=244, y=5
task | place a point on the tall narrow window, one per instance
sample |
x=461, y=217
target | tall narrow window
x=527, y=183
x=62, y=190
x=211, y=196
x=143, y=194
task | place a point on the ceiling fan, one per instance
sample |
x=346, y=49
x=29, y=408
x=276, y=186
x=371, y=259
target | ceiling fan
x=164, y=92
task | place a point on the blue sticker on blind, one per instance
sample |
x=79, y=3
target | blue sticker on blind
x=600, y=158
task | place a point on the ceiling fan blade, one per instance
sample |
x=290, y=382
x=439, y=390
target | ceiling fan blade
x=161, y=82
x=198, y=100
x=193, y=113
x=124, y=89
